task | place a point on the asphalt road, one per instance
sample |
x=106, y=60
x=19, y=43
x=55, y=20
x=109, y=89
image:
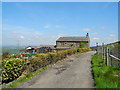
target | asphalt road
x=73, y=72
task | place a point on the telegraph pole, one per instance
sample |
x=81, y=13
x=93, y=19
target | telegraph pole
x=103, y=51
x=18, y=45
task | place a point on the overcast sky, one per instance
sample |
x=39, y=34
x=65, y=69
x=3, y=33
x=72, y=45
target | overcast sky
x=43, y=23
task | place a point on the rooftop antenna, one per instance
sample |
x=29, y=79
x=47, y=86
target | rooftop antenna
x=87, y=35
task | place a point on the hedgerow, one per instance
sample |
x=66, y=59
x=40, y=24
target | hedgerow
x=12, y=68
x=45, y=59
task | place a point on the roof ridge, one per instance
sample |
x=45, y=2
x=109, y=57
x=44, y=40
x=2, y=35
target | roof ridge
x=77, y=36
x=73, y=38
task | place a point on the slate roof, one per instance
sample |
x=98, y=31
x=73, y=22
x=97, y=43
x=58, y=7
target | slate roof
x=35, y=47
x=73, y=39
x=51, y=46
x=63, y=47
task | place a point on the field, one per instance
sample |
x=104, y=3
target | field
x=11, y=50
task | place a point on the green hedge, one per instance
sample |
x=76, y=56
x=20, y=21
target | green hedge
x=44, y=59
x=83, y=44
x=12, y=69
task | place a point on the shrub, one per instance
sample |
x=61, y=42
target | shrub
x=44, y=59
x=12, y=68
x=5, y=55
x=39, y=61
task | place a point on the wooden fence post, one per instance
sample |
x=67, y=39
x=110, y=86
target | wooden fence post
x=107, y=56
x=96, y=50
x=110, y=53
x=104, y=53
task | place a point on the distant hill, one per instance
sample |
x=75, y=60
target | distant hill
x=11, y=49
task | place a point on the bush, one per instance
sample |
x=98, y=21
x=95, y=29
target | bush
x=39, y=61
x=5, y=55
x=12, y=68
x=42, y=60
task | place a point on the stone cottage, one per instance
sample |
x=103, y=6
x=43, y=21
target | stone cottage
x=73, y=42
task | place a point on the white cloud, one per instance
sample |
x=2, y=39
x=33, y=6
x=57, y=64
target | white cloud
x=109, y=39
x=60, y=35
x=112, y=38
x=27, y=36
x=58, y=26
x=103, y=27
x=95, y=33
x=94, y=26
x=14, y=32
x=20, y=30
x=95, y=38
x=22, y=37
x=99, y=27
x=111, y=35
x=37, y=33
x=86, y=29
x=53, y=26
x=47, y=26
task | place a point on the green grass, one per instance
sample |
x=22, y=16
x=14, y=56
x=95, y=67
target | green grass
x=105, y=76
x=26, y=77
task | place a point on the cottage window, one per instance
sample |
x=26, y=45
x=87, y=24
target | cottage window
x=63, y=44
x=71, y=44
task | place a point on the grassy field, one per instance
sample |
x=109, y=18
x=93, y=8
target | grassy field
x=105, y=76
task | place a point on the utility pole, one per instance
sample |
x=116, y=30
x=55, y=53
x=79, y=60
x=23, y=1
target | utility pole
x=18, y=46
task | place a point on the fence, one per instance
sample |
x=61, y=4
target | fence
x=110, y=56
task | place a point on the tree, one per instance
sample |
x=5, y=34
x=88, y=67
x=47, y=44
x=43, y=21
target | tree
x=5, y=55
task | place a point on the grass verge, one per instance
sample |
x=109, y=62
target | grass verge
x=105, y=76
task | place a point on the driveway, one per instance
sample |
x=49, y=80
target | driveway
x=73, y=72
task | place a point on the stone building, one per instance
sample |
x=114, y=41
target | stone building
x=40, y=49
x=73, y=42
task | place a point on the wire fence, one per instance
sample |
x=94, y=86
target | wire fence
x=110, y=56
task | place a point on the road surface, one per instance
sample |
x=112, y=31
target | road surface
x=73, y=72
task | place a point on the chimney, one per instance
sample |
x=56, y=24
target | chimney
x=87, y=35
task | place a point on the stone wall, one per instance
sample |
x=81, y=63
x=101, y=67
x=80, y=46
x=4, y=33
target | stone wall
x=71, y=44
